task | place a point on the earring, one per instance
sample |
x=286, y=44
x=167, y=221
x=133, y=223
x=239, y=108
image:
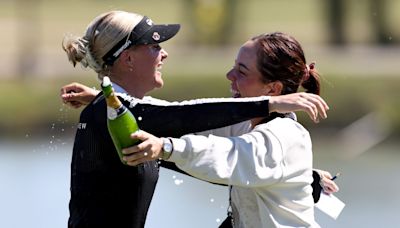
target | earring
x=130, y=69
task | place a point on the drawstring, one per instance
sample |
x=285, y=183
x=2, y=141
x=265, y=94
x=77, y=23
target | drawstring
x=230, y=214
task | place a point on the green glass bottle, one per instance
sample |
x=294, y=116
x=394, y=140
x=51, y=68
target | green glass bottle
x=120, y=121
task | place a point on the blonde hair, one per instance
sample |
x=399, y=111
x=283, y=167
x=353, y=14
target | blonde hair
x=102, y=34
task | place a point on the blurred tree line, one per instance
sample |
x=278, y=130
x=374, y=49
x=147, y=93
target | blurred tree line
x=336, y=19
x=28, y=26
x=212, y=22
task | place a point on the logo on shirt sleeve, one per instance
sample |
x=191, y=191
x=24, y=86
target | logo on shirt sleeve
x=82, y=126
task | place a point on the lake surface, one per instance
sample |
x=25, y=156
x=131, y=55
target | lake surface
x=34, y=189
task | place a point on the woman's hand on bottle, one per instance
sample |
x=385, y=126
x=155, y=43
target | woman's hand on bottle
x=310, y=103
x=77, y=95
x=149, y=149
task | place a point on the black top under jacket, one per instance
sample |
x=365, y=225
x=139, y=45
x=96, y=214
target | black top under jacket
x=106, y=193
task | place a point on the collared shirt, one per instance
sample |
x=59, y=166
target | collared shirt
x=118, y=88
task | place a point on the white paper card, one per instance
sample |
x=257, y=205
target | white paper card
x=330, y=205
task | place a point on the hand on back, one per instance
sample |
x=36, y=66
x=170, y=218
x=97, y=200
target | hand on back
x=75, y=94
x=310, y=103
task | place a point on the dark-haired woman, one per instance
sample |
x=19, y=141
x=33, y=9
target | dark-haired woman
x=266, y=161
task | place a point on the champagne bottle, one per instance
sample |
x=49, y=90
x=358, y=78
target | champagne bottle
x=121, y=122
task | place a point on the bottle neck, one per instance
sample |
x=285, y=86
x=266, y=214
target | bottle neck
x=113, y=101
x=107, y=91
x=111, y=98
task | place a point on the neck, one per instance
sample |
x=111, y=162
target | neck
x=133, y=89
x=272, y=115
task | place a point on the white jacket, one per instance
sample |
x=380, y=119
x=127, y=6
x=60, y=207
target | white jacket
x=269, y=167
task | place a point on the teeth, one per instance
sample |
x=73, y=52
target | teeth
x=235, y=93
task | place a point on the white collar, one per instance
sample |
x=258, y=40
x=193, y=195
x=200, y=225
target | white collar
x=118, y=88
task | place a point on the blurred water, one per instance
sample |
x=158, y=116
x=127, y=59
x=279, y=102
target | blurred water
x=34, y=190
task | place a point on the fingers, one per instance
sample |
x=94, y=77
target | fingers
x=136, y=158
x=312, y=104
x=73, y=97
x=321, y=106
x=72, y=87
x=149, y=149
x=139, y=156
x=68, y=95
x=330, y=187
x=315, y=106
x=75, y=104
x=305, y=102
x=326, y=174
x=140, y=135
x=311, y=110
x=71, y=100
x=77, y=95
x=324, y=104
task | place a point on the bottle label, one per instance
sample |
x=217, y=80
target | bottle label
x=112, y=113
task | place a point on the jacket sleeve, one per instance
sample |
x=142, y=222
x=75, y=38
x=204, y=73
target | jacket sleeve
x=240, y=161
x=175, y=119
x=270, y=153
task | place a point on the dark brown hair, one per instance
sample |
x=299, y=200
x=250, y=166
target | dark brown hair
x=281, y=58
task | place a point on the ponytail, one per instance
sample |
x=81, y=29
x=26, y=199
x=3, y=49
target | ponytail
x=78, y=51
x=75, y=48
x=102, y=34
x=311, y=80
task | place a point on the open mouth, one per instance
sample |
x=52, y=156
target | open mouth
x=235, y=93
x=159, y=67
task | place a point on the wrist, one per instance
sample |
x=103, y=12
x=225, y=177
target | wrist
x=95, y=92
x=167, y=148
x=271, y=104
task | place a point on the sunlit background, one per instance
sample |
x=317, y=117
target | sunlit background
x=355, y=43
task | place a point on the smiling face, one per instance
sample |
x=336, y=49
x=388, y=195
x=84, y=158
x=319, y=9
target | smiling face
x=272, y=64
x=137, y=69
x=146, y=66
x=246, y=79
